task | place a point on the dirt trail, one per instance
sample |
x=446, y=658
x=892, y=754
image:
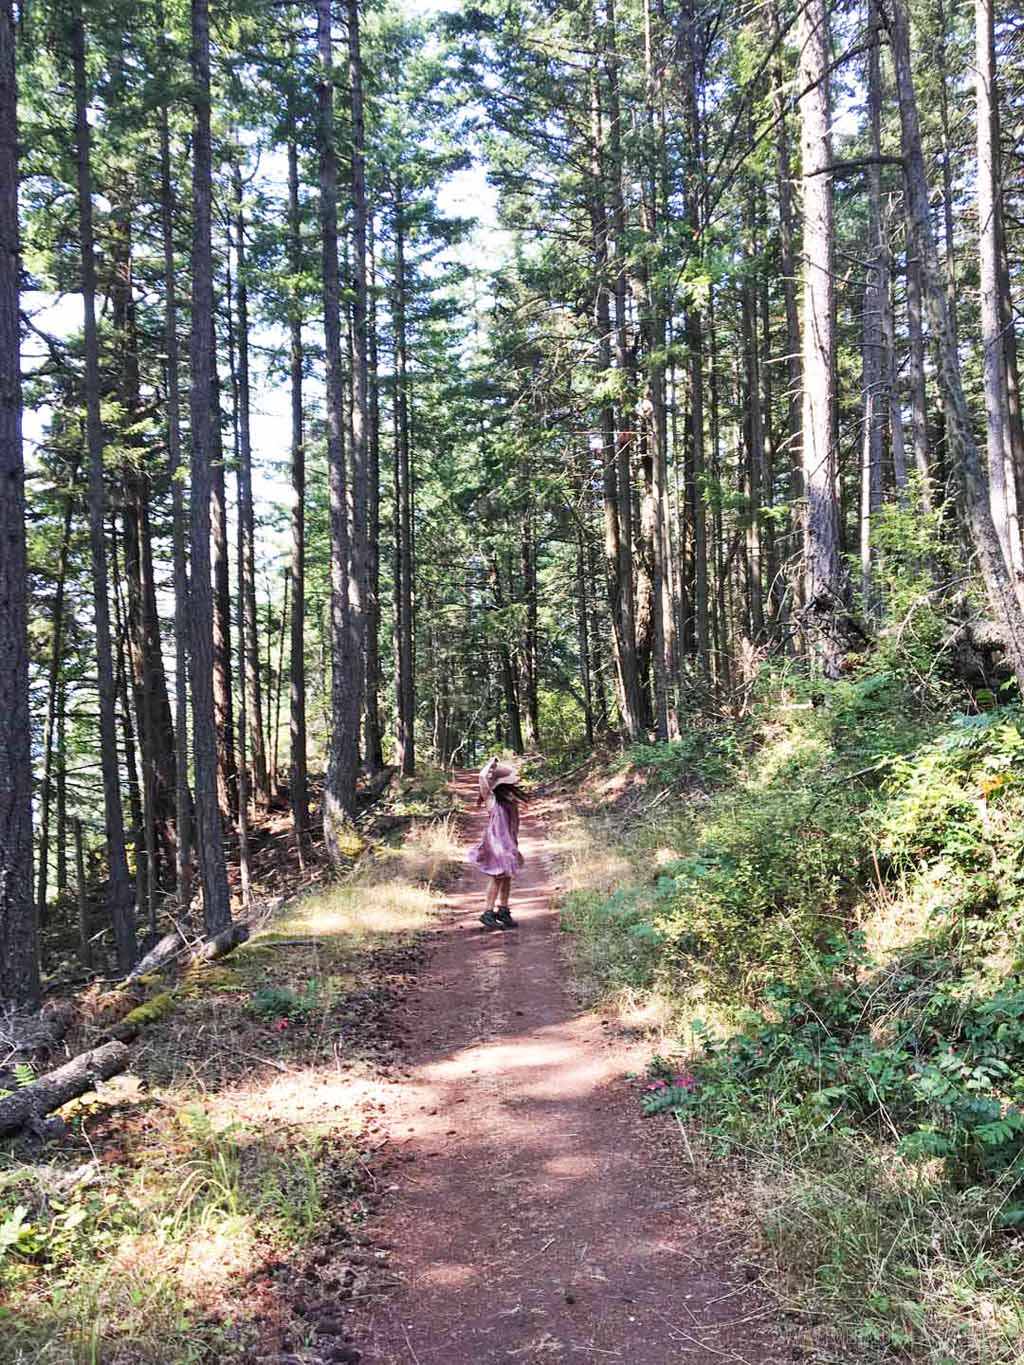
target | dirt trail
x=528, y=1217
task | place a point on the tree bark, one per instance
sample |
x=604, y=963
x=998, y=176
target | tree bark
x=339, y=803
x=223, y=693
x=824, y=591
x=964, y=451
x=876, y=286
x=19, y=965
x=915, y=372
x=250, y=662
x=694, y=336
x=53, y=697
x=372, y=736
x=82, y=899
x=618, y=554
x=784, y=183
x=298, y=782
x=49, y=1092
x=204, y=418
x=179, y=528
x=119, y=887
x=360, y=408
x=1002, y=487
x=405, y=683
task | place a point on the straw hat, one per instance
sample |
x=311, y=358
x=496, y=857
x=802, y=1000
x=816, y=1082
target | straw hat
x=496, y=774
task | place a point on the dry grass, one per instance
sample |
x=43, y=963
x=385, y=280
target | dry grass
x=238, y=1139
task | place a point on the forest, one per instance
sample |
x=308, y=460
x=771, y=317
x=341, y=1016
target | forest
x=388, y=384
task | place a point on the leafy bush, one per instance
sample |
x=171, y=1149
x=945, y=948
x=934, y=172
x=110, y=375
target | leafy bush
x=903, y=1050
x=706, y=754
x=281, y=1002
x=837, y=930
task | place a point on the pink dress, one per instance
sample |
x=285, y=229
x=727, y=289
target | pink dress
x=497, y=854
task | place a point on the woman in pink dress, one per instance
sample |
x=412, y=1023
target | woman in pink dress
x=497, y=854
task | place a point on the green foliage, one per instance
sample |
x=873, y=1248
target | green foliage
x=18, y=1236
x=774, y=858
x=24, y=1074
x=845, y=912
x=281, y=1002
x=705, y=754
x=906, y=1049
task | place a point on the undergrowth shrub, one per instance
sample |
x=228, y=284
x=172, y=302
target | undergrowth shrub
x=837, y=929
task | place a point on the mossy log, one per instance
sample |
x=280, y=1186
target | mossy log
x=147, y=1013
x=49, y=1092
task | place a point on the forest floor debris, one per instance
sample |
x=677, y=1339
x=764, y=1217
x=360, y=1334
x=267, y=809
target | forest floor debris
x=206, y=1204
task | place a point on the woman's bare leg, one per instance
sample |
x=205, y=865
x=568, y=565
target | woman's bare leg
x=493, y=886
x=504, y=889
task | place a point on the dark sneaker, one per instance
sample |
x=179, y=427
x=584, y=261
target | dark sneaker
x=504, y=917
x=490, y=920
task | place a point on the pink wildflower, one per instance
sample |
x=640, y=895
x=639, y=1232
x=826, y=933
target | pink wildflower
x=685, y=1082
x=281, y=1024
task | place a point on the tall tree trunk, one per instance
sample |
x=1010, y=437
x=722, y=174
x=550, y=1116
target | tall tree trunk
x=405, y=687
x=204, y=419
x=247, y=562
x=822, y=566
x=360, y=407
x=615, y=243
x=62, y=789
x=618, y=556
x=656, y=327
x=119, y=889
x=582, y=629
x=53, y=698
x=179, y=529
x=915, y=372
x=1002, y=488
x=223, y=695
x=946, y=161
x=243, y=570
x=339, y=803
x=510, y=693
x=19, y=959
x=694, y=335
x=964, y=451
x=528, y=561
x=757, y=474
x=787, y=233
x=876, y=287
x=125, y=698
x=372, y=736
x=298, y=782
x=154, y=726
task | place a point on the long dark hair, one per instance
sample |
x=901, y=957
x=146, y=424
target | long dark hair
x=509, y=794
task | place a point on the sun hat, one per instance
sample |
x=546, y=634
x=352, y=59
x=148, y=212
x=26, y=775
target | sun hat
x=496, y=774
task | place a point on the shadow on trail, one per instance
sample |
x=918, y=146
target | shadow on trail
x=532, y=1214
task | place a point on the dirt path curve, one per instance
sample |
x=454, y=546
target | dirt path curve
x=530, y=1221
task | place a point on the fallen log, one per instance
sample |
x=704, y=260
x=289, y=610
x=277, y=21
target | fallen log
x=175, y=945
x=223, y=943
x=39, y=1034
x=49, y=1092
x=172, y=945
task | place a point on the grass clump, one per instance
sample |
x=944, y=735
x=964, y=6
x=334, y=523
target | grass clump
x=831, y=924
